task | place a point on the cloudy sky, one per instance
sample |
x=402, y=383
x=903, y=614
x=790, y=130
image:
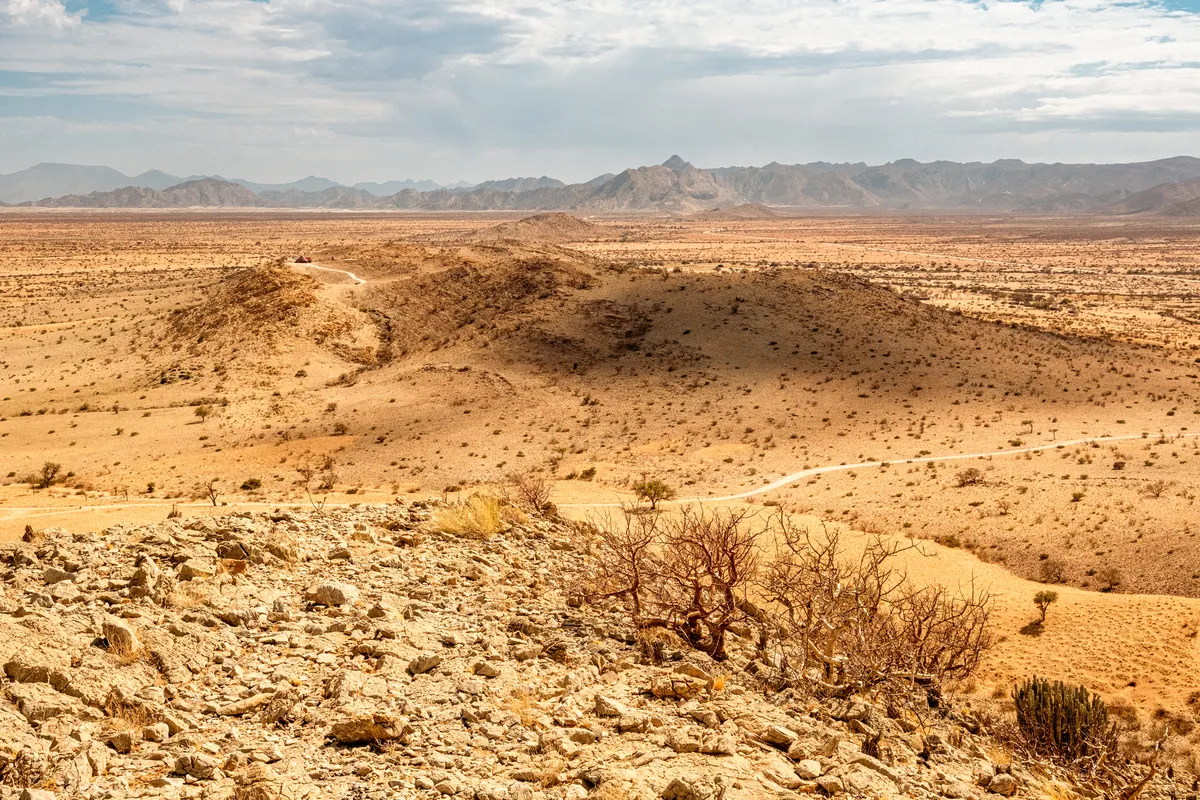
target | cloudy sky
x=477, y=89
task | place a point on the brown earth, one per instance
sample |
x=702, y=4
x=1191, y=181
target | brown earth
x=715, y=360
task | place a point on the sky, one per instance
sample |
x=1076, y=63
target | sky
x=272, y=90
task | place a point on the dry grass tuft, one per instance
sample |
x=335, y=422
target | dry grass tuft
x=124, y=655
x=191, y=594
x=1054, y=790
x=126, y=714
x=551, y=770
x=523, y=703
x=612, y=790
x=478, y=517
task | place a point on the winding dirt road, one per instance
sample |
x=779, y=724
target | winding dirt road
x=357, y=280
x=794, y=477
x=33, y=512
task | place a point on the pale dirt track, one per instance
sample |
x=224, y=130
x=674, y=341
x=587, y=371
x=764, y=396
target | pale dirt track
x=33, y=512
x=357, y=280
x=789, y=479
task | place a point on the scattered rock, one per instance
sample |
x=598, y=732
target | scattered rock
x=607, y=707
x=124, y=741
x=680, y=687
x=121, y=636
x=333, y=594
x=424, y=663
x=240, y=707
x=197, y=765
x=691, y=787
x=468, y=660
x=1003, y=784
x=195, y=569
x=367, y=728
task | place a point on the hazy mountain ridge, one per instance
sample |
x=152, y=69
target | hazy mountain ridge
x=1162, y=198
x=310, y=184
x=205, y=192
x=55, y=180
x=520, y=184
x=389, y=188
x=60, y=180
x=331, y=197
x=678, y=187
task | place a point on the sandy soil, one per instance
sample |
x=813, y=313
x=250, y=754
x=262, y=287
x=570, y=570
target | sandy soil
x=717, y=355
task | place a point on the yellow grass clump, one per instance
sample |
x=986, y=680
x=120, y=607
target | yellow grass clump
x=478, y=517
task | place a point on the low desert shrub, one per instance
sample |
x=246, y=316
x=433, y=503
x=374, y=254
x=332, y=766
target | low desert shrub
x=968, y=477
x=1109, y=578
x=1053, y=571
x=1155, y=488
x=653, y=492
x=47, y=475
x=1043, y=601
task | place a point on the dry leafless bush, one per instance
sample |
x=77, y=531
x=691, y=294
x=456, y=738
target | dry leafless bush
x=708, y=563
x=847, y=624
x=688, y=573
x=529, y=491
x=839, y=624
x=624, y=557
x=968, y=477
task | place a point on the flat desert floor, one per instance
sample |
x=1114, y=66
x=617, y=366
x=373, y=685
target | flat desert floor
x=1022, y=393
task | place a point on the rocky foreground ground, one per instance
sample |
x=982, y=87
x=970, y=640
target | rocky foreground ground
x=362, y=653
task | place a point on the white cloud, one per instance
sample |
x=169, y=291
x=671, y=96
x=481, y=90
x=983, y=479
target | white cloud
x=41, y=14
x=497, y=86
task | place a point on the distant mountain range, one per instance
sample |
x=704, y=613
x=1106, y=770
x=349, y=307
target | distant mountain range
x=1169, y=186
x=57, y=180
x=206, y=192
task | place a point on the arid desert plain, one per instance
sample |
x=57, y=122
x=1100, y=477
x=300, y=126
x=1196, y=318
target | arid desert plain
x=1018, y=397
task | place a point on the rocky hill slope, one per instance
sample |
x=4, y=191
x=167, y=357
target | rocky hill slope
x=285, y=310
x=746, y=211
x=364, y=653
x=555, y=227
